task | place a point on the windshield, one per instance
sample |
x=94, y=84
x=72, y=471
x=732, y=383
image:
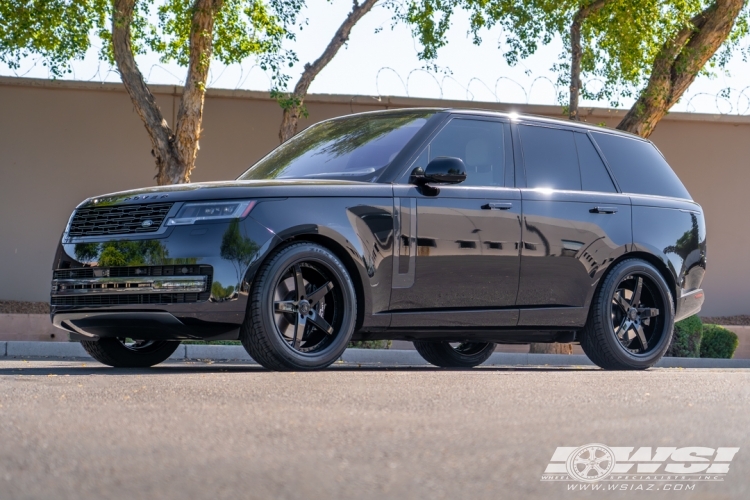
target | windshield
x=357, y=147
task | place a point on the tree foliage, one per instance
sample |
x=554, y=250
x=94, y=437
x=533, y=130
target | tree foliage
x=621, y=40
x=60, y=31
x=57, y=30
x=191, y=33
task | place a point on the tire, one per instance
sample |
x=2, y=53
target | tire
x=464, y=355
x=627, y=329
x=282, y=329
x=115, y=352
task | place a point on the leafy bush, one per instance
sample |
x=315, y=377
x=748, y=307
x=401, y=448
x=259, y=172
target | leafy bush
x=686, y=341
x=718, y=342
x=371, y=344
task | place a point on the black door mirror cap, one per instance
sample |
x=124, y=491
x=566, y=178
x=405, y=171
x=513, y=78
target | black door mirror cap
x=441, y=170
x=445, y=170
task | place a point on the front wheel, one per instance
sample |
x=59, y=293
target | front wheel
x=302, y=309
x=455, y=354
x=126, y=353
x=631, y=318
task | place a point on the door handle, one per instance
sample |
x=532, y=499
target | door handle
x=603, y=210
x=497, y=206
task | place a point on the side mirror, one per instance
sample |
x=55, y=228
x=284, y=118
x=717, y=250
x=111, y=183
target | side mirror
x=442, y=170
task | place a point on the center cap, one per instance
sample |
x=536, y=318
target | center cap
x=304, y=307
x=633, y=314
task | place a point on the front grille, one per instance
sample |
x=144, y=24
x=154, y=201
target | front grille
x=124, y=219
x=114, y=299
x=129, y=272
x=120, y=300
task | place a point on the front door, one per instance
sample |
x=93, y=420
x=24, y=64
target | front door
x=457, y=259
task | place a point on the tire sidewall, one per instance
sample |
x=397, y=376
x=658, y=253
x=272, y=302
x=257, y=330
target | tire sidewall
x=284, y=260
x=618, y=351
x=470, y=359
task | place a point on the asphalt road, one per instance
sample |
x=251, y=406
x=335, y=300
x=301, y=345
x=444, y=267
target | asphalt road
x=73, y=430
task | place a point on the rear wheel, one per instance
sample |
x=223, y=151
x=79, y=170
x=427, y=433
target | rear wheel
x=127, y=353
x=302, y=310
x=455, y=354
x=631, y=318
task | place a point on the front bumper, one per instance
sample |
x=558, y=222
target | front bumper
x=184, y=284
x=151, y=325
x=689, y=303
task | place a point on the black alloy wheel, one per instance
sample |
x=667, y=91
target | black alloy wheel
x=454, y=354
x=128, y=353
x=631, y=318
x=302, y=309
x=637, y=314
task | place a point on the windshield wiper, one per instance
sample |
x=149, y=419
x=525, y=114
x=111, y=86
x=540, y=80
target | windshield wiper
x=353, y=173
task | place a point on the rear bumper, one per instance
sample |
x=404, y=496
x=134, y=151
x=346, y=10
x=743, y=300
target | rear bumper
x=689, y=303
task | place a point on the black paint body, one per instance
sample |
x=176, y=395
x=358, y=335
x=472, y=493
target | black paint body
x=503, y=264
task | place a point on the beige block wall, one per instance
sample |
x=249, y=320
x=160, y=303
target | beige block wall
x=61, y=142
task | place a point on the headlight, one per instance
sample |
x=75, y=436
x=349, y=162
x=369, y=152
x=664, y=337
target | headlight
x=190, y=213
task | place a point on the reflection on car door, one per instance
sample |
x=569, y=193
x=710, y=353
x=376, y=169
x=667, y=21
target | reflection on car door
x=465, y=254
x=575, y=224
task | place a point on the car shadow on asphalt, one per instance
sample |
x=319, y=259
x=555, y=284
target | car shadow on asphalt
x=88, y=367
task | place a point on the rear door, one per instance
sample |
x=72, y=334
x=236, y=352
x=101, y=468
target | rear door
x=575, y=223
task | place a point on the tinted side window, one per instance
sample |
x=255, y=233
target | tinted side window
x=550, y=158
x=479, y=144
x=594, y=175
x=639, y=167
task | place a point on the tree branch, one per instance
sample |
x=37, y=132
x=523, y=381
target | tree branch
x=577, y=53
x=190, y=113
x=679, y=62
x=145, y=104
x=293, y=111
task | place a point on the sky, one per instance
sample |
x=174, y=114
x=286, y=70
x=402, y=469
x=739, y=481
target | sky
x=381, y=61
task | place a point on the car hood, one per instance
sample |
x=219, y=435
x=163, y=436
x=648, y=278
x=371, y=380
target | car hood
x=281, y=188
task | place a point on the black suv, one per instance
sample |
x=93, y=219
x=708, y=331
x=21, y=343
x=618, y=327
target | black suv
x=454, y=229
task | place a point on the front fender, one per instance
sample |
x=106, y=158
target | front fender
x=358, y=230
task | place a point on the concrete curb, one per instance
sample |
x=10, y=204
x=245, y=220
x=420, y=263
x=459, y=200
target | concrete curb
x=376, y=357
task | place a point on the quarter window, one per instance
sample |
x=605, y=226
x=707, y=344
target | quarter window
x=639, y=167
x=550, y=158
x=479, y=143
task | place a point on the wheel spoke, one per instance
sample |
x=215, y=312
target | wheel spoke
x=286, y=306
x=624, y=327
x=300, y=322
x=621, y=301
x=318, y=320
x=299, y=283
x=648, y=312
x=641, y=337
x=315, y=297
x=637, y=293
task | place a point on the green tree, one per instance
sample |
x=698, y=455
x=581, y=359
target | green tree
x=132, y=253
x=648, y=49
x=86, y=253
x=293, y=103
x=189, y=32
x=238, y=249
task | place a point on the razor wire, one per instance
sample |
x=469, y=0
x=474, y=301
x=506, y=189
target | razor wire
x=538, y=89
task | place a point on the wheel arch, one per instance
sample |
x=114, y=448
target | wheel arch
x=338, y=249
x=652, y=259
